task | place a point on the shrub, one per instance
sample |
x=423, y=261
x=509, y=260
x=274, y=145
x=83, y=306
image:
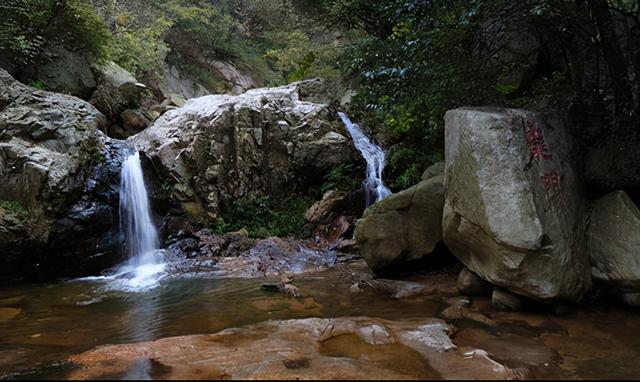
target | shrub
x=27, y=26
x=265, y=216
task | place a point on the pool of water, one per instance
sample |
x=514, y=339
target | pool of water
x=41, y=325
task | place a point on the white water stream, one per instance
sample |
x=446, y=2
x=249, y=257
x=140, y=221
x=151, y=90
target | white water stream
x=146, y=264
x=374, y=155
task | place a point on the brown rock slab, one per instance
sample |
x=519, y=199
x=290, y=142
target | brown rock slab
x=313, y=348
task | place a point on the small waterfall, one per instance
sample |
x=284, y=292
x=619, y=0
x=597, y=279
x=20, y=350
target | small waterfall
x=141, y=236
x=374, y=187
x=145, y=265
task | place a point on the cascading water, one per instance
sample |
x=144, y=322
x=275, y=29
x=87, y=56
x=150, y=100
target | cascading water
x=141, y=236
x=145, y=265
x=374, y=187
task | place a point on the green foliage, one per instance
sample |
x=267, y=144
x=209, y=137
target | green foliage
x=27, y=26
x=265, y=216
x=203, y=76
x=297, y=57
x=13, y=207
x=407, y=163
x=344, y=177
x=416, y=59
x=38, y=84
x=139, y=50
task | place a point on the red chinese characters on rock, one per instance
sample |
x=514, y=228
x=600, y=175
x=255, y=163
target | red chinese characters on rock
x=551, y=180
x=535, y=141
x=539, y=151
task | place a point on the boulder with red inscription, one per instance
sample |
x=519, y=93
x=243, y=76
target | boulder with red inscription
x=513, y=203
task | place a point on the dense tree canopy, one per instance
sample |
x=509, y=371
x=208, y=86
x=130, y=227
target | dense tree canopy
x=419, y=58
x=411, y=60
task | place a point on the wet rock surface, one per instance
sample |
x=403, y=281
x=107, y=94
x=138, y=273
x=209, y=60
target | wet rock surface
x=235, y=255
x=471, y=284
x=334, y=217
x=433, y=334
x=345, y=348
x=58, y=174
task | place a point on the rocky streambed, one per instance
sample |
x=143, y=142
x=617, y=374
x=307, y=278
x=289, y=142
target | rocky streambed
x=343, y=324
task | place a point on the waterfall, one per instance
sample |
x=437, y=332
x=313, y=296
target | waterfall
x=145, y=265
x=141, y=236
x=374, y=187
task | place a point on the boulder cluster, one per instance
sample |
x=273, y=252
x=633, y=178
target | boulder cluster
x=510, y=204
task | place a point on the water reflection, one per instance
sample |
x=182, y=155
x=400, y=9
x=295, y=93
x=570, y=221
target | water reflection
x=41, y=325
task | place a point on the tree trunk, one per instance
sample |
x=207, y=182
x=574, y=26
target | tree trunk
x=613, y=54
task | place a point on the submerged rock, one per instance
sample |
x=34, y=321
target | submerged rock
x=218, y=148
x=312, y=348
x=614, y=242
x=514, y=205
x=403, y=227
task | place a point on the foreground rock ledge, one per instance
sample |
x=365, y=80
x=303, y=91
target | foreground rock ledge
x=312, y=348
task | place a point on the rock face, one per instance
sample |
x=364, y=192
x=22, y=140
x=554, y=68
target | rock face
x=117, y=90
x=614, y=242
x=52, y=159
x=405, y=226
x=68, y=72
x=513, y=203
x=217, y=148
x=174, y=82
x=238, y=82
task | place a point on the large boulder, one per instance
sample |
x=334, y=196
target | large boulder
x=68, y=71
x=403, y=227
x=117, y=90
x=513, y=203
x=614, y=242
x=57, y=170
x=218, y=148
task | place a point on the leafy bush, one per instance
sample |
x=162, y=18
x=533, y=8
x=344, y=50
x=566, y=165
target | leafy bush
x=38, y=84
x=265, y=216
x=139, y=50
x=345, y=177
x=27, y=26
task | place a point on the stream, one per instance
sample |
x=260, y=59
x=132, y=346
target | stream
x=41, y=325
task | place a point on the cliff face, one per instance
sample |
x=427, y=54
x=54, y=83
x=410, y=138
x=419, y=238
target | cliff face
x=59, y=184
